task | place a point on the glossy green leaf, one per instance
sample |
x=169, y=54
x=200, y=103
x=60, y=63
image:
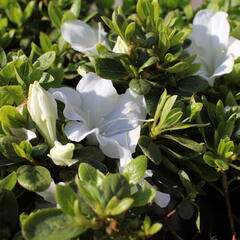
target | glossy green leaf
x=34, y=178
x=140, y=86
x=45, y=61
x=143, y=197
x=135, y=170
x=150, y=149
x=90, y=174
x=115, y=185
x=50, y=224
x=10, y=117
x=9, y=181
x=65, y=197
x=110, y=69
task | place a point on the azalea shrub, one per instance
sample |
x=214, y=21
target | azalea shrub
x=119, y=119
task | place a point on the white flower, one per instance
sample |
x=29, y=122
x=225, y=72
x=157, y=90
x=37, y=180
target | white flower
x=82, y=37
x=97, y=112
x=62, y=154
x=43, y=110
x=215, y=49
x=120, y=46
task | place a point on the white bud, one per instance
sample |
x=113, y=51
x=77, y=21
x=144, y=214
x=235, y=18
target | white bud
x=42, y=108
x=62, y=154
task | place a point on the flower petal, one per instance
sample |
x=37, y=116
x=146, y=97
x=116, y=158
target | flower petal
x=99, y=97
x=72, y=100
x=162, y=199
x=125, y=116
x=81, y=36
x=211, y=27
x=225, y=67
x=234, y=47
x=77, y=131
x=110, y=147
x=210, y=38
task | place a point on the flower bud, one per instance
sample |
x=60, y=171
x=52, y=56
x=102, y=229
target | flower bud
x=62, y=154
x=42, y=108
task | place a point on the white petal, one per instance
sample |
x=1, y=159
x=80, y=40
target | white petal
x=211, y=27
x=125, y=116
x=162, y=199
x=72, y=100
x=81, y=36
x=225, y=67
x=99, y=97
x=129, y=139
x=77, y=131
x=110, y=147
x=234, y=47
x=210, y=38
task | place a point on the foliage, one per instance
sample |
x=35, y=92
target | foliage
x=189, y=145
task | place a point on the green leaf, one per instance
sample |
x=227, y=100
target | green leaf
x=185, y=181
x=130, y=30
x=116, y=206
x=105, y=3
x=90, y=174
x=109, y=23
x=135, y=170
x=10, y=117
x=150, y=149
x=166, y=109
x=8, y=208
x=209, y=158
x=193, y=84
x=34, y=178
x=28, y=11
x=23, y=150
x=55, y=14
x=7, y=149
x=185, y=210
x=140, y=86
x=91, y=195
x=173, y=118
x=149, y=62
x=143, y=197
x=50, y=224
x=221, y=164
x=3, y=58
x=10, y=95
x=65, y=197
x=178, y=67
x=90, y=153
x=76, y=7
x=9, y=181
x=115, y=185
x=103, y=69
x=45, y=61
x=186, y=143
x=15, y=13
x=45, y=42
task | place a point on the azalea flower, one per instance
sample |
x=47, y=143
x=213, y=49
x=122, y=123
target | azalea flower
x=82, y=37
x=97, y=112
x=62, y=154
x=215, y=49
x=43, y=110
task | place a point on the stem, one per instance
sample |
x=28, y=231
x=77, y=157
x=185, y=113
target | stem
x=228, y=204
